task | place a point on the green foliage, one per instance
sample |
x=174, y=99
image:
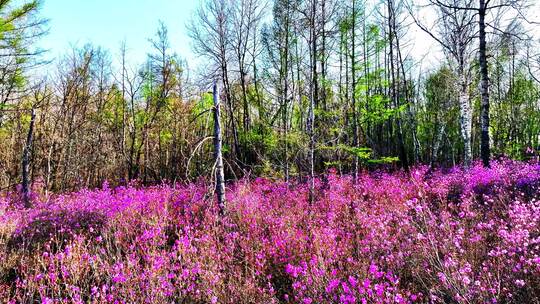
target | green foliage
x=225, y=148
x=165, y=136
x=379, y=109
x=6, y=106
x=141, y=118
x=299, y=111
x=18, y=78
x=364, y=155
x=204, y=104
x=113, y=110
x=384, y=160
x=261, y=138
x=511, y=129
x=333, y=164
x=325, y=115
x=149, y=91
x=14, y=37
x=440, y=88
x=439, y=109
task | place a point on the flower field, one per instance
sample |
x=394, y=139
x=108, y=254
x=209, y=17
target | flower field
x=460, y=236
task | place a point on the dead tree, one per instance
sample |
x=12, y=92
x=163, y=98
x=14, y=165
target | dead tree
x=26, y=161
x=218, y=158
x=211, y=33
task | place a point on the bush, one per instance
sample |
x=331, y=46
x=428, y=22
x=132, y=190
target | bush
x=460, y=236
x=56, y=228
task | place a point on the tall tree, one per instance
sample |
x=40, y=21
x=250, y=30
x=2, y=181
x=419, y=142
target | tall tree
x=247, y=16
x=455, y=32
x=20, y=28
x=26, y=160
x=210, y=31
x=278, y=40
x=218, y=157
x=313, y=95
x=398, y=86
x=484, y=82
x=353, y=25
x=483, y=9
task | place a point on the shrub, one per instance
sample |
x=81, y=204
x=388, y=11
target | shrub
x=458, y=236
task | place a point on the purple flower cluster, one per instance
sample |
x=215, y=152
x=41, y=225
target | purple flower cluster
x=456, y=236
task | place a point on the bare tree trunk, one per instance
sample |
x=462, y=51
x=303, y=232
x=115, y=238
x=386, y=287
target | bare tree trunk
x=246, y=120
x=365, y=53
x=353, y=79
x=286, y=101
x=48, y=174
x=124, y=106
x=484, y=86
x=220, y=176
x=299, y=87
x=230, y=106
x=26, y=162
x=312, y=102
x=465, y=119
x=396, y=82
x=255, y=73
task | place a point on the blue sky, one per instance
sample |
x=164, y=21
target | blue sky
x=106, y=23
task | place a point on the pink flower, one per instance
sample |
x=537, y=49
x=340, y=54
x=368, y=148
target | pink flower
x=332, y=285
x=46, y=300
x=353, y=281
x=119, y=278
x=442, y=277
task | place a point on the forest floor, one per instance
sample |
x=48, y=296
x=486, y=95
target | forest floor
x=465, y=236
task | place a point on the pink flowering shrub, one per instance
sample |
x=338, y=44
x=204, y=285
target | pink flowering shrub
x=470, y=236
